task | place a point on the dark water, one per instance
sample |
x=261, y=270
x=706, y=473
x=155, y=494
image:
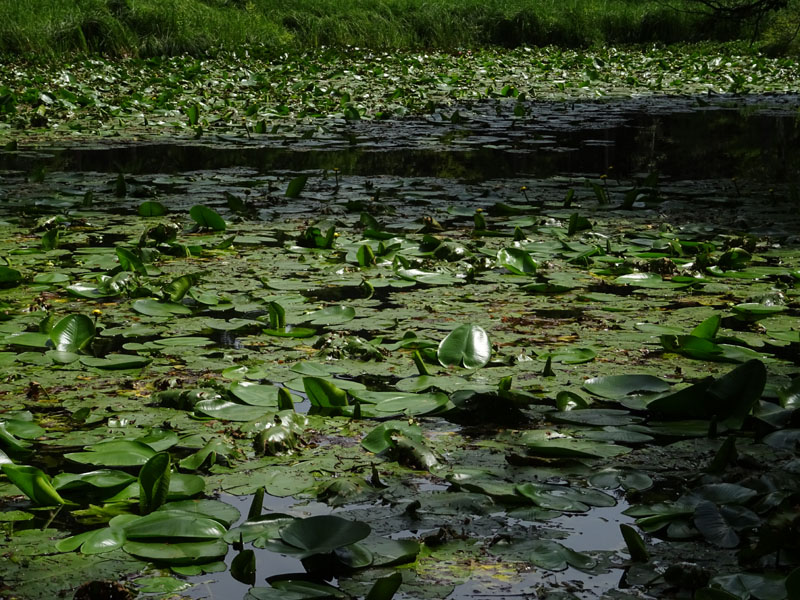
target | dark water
x=685, y=138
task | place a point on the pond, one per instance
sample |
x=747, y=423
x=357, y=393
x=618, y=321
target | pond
x=502, y=349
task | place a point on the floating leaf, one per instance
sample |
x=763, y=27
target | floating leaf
x=294, y=589
x=553, y=556
x=264, y=527
x=103, y=540
x=221, y=512
x=620, y=386
x=9, y=276
x=517, y=261
x=161, y=585
x=154, y=478
x=559, y=446
x=182, y=553
x=753, y=311
x=117, y=453
x=207, y=217
x=324, y=394
x=105, y=480
x=218, y=408
x=243, y=567
x=255, y=394
x=51, y=278
x=152, y=208
x=384, y=588
x=173, y=525
x=324, y=533
x=634, y=542
x=466, y=345
x=34, y=483
x=154, y=308
x=747, y=585
x=331, y=315
x=569, y=356
x=714, y=527
x=598, y=417
x=116, y=362
x=72, y=333
x=648, y=280
x=296, y=186
x=128, y=261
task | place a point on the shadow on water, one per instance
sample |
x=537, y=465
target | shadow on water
x=691, y=143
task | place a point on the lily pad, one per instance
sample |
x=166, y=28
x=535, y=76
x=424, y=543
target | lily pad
x=117, y=453
x=207, y=217
x=620, y=386
x=467, y=345
x=553, y=556
x=154, y=308
x=72, y=333
x=331, y=315
x=116, y=362
x=323, y=534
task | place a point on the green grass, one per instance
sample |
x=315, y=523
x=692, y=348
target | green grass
x=154, y=27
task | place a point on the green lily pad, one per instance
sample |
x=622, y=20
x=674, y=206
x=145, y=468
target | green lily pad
x=154, y=308
x=9, y=276
x=151, y=208
x=72, y=333
x=173, y=525
x=619, y=386
x=753, y=311
x=648, y=280
x=324, y=533
x=207, y=217
x=161, y=585
x=331, y=315
x=116, y=362
x=428, y=277
x=392, y=403
x=751, y=585
x=225, y=410
x=181, y=553
x=255, y=394
x=569, y=356
x=466, y=345
x=540, y=443
x=517, y=261
x=598, y=417
x=51, y=278
x=553, y=556
x=117, y=453
x=29, y=339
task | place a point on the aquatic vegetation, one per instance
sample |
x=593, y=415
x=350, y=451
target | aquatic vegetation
x=253, y=98
x=426, y=352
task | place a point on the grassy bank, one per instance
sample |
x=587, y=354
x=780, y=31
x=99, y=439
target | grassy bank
x=154, y=27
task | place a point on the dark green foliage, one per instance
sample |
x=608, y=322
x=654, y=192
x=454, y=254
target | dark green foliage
x=154, y=27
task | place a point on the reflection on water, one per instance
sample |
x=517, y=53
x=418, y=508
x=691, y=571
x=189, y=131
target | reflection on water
x=684, y=138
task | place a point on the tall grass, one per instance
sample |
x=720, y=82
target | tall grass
x=152, y=27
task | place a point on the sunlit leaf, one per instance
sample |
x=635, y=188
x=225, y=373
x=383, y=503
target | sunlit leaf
x=72, y=333
x=467, y=345
x=207, y=217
